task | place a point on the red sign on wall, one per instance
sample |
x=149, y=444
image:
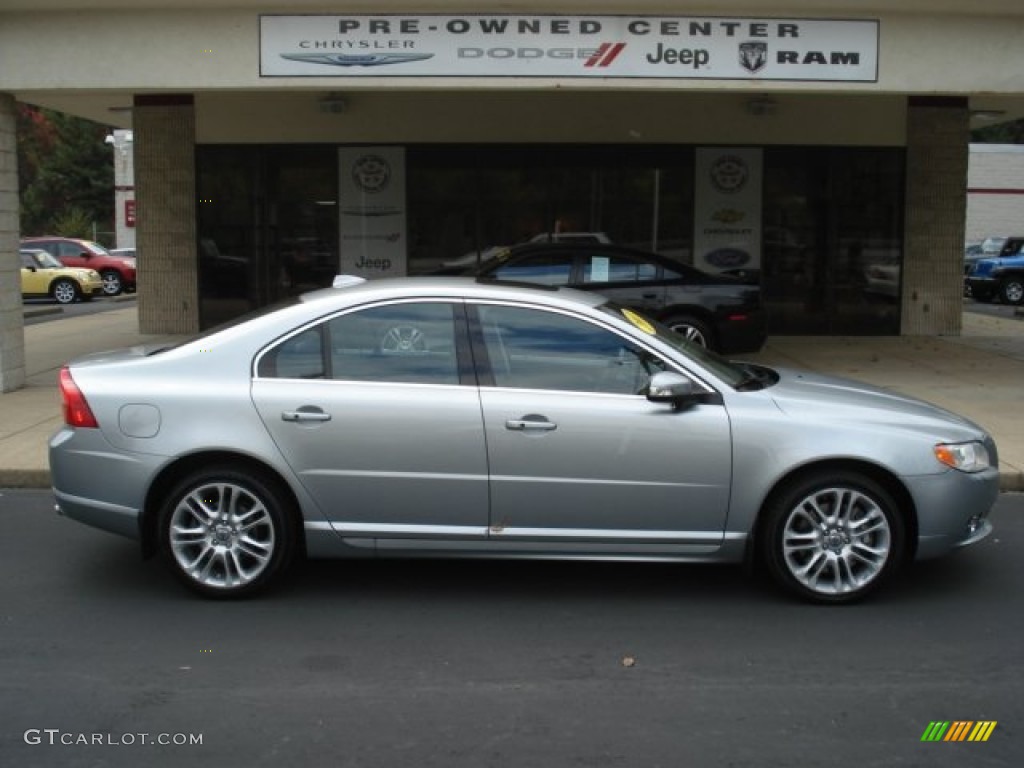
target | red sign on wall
x=129, y=213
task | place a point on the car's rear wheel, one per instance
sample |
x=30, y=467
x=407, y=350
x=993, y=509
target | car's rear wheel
x=1011, y=290
x=227, y=532
x=112, y=283
x=64, y=291
x=692, y=329
x=832, y=537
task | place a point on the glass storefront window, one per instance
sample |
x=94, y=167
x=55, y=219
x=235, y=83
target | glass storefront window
x=831, y=238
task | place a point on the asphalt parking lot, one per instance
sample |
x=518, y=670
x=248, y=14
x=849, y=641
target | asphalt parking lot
x=464, y=663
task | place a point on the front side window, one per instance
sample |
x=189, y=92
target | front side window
x=534, y=349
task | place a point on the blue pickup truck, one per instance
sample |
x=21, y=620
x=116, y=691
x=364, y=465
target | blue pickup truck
x=1000, y=277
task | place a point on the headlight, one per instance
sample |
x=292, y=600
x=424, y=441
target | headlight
x=967, y=457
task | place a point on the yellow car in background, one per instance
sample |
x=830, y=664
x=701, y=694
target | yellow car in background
x=42, y=276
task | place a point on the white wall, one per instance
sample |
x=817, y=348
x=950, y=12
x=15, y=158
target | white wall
x=995, y=191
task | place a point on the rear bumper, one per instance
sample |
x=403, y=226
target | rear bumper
x=96, y=484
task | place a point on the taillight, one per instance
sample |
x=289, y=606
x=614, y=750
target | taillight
x=77, y=412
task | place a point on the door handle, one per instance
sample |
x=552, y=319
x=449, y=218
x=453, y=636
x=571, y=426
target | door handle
x=531, y=423
x=306, y=413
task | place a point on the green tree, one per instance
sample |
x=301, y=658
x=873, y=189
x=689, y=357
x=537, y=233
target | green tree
x=1004, y=133
x=66, y=174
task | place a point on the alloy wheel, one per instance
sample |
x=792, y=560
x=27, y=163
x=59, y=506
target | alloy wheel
x=836, y=541
x=222, y=535
x=64, y=292
x=111, y=283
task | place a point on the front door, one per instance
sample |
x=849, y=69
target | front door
x=578, y=457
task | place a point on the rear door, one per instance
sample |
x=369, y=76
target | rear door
x=377, y=413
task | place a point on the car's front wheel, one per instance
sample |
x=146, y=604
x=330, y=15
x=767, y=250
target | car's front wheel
x=112, y=283
x=227, y=532
x=832, y=537
x=64, y=291
x=1011, y=290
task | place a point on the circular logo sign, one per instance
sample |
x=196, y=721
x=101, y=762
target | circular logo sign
x=371, y=173
x=729, y=173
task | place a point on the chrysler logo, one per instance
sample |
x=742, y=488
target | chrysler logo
x=356, y=60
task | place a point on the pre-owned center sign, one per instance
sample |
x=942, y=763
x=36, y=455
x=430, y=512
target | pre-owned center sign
x=569, y=46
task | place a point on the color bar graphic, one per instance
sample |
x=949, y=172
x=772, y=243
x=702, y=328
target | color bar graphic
x=959, y=730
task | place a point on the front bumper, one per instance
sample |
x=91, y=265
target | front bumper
x=952, y=509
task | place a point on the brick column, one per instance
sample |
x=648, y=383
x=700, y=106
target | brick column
x=165, y=194
x=12, y=334
x=936, y=203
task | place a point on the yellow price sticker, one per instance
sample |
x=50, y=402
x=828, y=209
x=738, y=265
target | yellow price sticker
x=640, y=322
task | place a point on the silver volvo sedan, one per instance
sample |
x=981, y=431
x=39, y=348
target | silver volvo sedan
x=453, y=417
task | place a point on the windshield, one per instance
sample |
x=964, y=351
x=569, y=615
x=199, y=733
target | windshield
x=736, y=375
x=43, y=260
x=95, y=248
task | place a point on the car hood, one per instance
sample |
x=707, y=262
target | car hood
x=830, y=398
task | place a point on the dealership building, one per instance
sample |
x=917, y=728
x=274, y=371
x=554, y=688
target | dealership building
x=821, y=145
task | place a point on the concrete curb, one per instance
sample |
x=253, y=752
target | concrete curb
x=25, y=478
x=43, y=311
x=1011, y=482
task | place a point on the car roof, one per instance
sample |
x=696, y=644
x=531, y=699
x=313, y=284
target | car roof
x=456, y=287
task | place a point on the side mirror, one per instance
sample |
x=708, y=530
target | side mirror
x=672, y=388
x=85, y=255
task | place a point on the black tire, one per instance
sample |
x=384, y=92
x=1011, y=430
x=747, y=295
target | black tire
x=227, y=532
x=832, y=537
x=1011, y=291
x=692, y=329
x=112, y=282
x=985, y=297
x=64, y=291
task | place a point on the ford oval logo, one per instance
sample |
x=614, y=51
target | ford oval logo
x=727, y=258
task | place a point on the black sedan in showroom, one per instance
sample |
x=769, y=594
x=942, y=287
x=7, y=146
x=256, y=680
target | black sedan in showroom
x=719, y=312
